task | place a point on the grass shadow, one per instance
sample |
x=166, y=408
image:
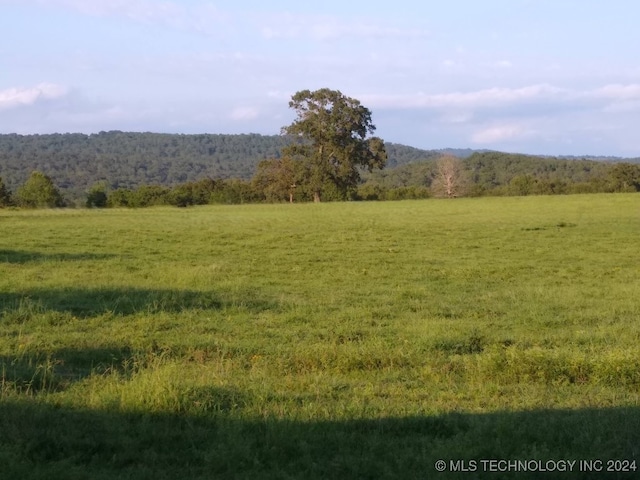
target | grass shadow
x=55, y=371
x=88, y=302
x=53, y=441
x=23, y=257
x=32, y=373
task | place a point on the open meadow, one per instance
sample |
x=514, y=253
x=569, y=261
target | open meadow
x=338, y=340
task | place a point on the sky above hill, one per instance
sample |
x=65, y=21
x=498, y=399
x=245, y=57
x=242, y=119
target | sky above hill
x=557, y=77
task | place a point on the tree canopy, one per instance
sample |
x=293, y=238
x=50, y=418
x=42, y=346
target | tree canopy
x=38, y=192
x=200, y=169
x=332, y=138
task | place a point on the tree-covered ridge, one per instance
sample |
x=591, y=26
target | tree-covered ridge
x=496, y=173
x=128, y=160
x=138, y=169
x=76, y=161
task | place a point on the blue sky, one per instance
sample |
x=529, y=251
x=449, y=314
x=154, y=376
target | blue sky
x=557, y=77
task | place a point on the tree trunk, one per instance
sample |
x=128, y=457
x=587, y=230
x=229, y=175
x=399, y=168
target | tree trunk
x=316, y=197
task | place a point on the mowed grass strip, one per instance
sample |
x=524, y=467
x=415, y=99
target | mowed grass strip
x=281, y=335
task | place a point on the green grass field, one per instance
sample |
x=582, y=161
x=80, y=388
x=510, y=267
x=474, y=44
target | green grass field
x=343, y=340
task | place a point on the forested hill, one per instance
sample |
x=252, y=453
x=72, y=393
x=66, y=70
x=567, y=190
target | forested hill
x=75, y=162
x=128, y=160
x=132, y=159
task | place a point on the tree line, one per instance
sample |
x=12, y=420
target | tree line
x=271, y=184
x=75, y=162
x=497, y=174
x=327, y=153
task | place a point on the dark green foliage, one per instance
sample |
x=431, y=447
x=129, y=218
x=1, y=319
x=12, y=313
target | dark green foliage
x=494, y=173
x=149, y=195
x=414, y=192
x=234, y=192
x=625, y=177
x=526, y=174
x=5, y=195
x=39, y=192
x=370, y=191
x=182, y=196
x=195, y=170
x=399, y=155
x=331, y=133
x=522, y=185
x=97, y=196
x=194, y=193
x=75, y=162
x=375, y=192
x=279, y=179
x=122, y=197
x=202, y=192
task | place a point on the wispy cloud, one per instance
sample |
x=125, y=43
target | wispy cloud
x=24, y=96
x=134, y=9
x=504, y=64
x=244, y=113
x=550, y=117
x=500, y=133
x=200, y=16
x=528, y=98
x=481, y=98
x=326, y=28
x=617, y=92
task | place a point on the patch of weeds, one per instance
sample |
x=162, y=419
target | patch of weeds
x=474, y=343
x=351, y=337
x=21, y=311
x=29, y=376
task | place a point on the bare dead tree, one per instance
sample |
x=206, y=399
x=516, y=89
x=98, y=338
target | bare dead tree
x=450, y=179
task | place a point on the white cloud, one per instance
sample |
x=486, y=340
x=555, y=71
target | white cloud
x=20, y=96
x=500, y=133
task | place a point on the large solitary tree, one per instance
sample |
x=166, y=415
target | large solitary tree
x=332, y=138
